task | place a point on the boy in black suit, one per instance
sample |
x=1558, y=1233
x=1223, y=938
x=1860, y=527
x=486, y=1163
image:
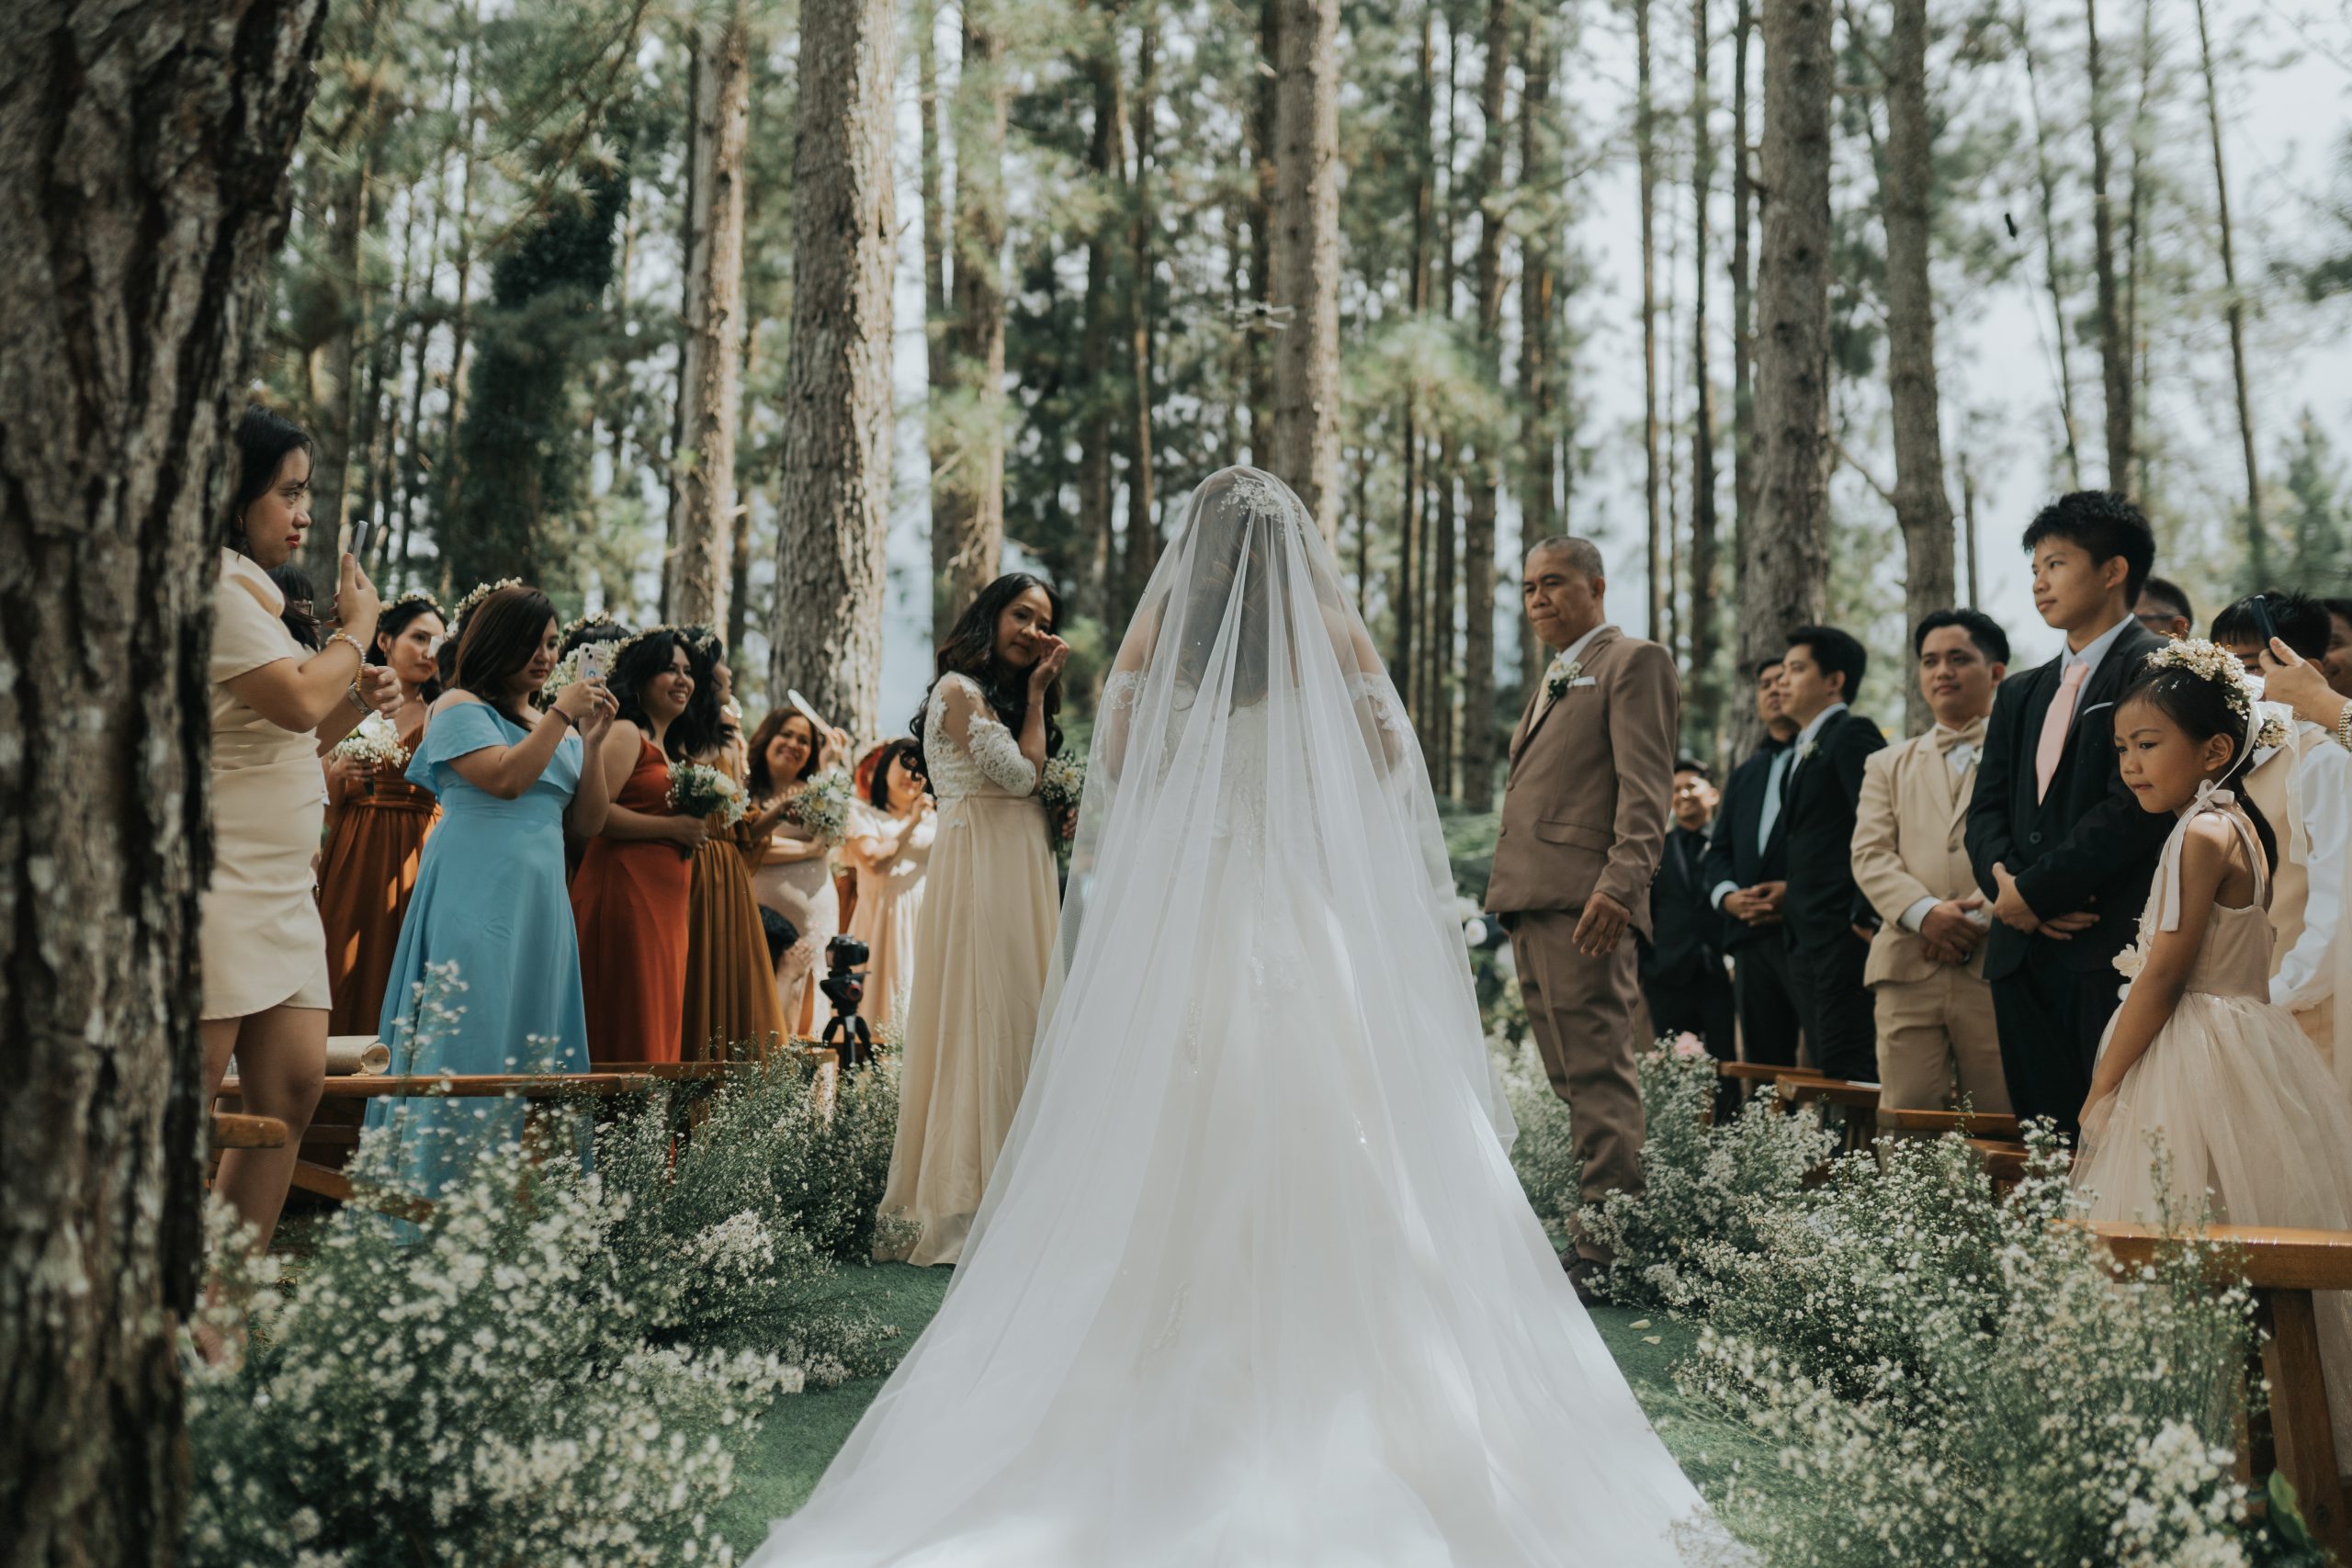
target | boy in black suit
x=1746, y=878
x=1683, y=977
x=2056, y=840
x=1828, y=952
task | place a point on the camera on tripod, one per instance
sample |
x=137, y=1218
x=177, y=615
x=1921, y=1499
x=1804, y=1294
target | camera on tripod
x=844, y=987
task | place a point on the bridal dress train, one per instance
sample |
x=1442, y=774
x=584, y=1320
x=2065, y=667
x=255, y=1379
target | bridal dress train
x=1253, y=1282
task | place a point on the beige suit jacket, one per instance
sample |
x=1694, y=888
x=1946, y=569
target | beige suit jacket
x=1909, y=844
x=1591, y=774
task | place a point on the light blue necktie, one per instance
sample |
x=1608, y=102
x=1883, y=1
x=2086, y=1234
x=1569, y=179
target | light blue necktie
x=1771, y=812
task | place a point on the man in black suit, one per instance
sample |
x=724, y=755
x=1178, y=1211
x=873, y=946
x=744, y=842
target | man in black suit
x=1746, y=878
x=1827, y=952
x=2056, y=840
x=1683, y=977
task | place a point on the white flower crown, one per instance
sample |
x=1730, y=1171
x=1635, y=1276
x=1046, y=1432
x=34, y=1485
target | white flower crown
x=2210, y=661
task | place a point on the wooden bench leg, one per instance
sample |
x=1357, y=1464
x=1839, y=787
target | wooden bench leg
x=2300, y=1432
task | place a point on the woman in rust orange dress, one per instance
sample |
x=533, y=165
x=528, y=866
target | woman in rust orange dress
x=730, y=995
x=629, y=901
x=377, y=823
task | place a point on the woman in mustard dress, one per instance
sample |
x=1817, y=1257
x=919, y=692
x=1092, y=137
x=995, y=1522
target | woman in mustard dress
x=376, y=828
x=730, y=996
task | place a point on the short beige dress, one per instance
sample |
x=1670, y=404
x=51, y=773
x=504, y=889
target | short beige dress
x=261, y=941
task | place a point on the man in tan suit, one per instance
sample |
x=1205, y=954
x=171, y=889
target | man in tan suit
x=1584, y=823
x=1933, y=1006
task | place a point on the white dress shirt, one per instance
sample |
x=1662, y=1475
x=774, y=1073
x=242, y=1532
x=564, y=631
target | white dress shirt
x=2320, y=788
x=1776, y=782
x=2094, y=652
x=1575, y=651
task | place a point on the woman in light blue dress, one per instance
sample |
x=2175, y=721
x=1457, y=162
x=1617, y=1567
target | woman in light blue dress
x=490, y=894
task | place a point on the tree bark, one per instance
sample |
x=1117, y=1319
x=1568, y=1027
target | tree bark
x=1264, y=182
x=1743, y=302
x=1922, y=506
x=2135, y=255
x=2114, y=332
x=142, y=194
x=710, y=383
x=1405, y=594
x=1701, y=691
x=1143, y=532
x=1478, y=738
x=1784, y=557
x=938, y=359
x=833, y=505
x=1646, y=167
x=1307, y=256
x=1106, y=163
x=1539, y=160
x=2053, y=276
x=2257, y=550
x=968, y=511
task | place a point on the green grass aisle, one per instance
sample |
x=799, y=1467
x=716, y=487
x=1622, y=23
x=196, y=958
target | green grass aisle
x=775, y=1473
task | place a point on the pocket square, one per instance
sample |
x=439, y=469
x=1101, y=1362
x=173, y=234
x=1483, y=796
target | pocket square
x=1584, y=681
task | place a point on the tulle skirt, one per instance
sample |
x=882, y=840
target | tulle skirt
x=2250, y=1123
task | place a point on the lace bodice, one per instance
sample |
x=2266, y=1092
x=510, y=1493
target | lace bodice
x=990, y=765
x=2235, y=958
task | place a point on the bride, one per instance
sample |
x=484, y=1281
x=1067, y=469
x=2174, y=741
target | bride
x=1254, y=1283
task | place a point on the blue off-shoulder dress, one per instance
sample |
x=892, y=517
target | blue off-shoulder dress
x=490, y=899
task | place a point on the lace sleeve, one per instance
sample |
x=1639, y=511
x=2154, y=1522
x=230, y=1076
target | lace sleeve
x=1384, y=726
x=990, y=744
x=1120, y=695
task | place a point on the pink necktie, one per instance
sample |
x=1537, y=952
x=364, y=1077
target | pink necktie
x=2054, y=724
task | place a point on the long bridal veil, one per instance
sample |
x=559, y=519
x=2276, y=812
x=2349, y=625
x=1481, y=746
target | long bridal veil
x=1254, y=1283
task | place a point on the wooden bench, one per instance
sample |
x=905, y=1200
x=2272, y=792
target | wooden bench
x=231, y=1131
x=2283, y=1267
x=1996, y=1126
x=1856, y=1104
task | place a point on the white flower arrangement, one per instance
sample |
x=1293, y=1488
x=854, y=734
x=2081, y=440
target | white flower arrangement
x=1063, y=785
x=566, y=672
x=822, y=805
x=2210, y=661
x=697, y=790
x=372, y=743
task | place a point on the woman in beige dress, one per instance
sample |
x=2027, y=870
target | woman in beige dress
x=793, y=876
x=985, y=938
x=891, y=854
x=274, y=703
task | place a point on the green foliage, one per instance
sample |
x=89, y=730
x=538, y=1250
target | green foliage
x=2318, y=520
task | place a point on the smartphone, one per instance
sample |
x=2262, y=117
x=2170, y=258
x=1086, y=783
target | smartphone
x=363, y=535
x=2258, y=606
x=592, y=661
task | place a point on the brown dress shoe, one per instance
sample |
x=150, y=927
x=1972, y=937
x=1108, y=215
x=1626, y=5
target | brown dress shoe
x=1584, y=1277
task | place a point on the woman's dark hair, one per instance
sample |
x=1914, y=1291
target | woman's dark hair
x=970, y=649
x=261, y=438
x=299, y=616
x=762, y=784
x=598, y=628
x=643, y=659
x=877, y=788
x=2202, y=708
x=397, y=617
x=701, y=729
x=501, y=635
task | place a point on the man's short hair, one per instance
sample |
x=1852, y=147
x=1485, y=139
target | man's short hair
x=1583, y=555
x=1838, y=652
x=2170, y=594
x=1982, y=629
x=2107, y=525
x=1692, y=765
x=2302, y=620
x=2342, y=607
x=1769, y=661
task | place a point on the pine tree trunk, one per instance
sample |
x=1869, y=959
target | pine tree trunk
x=142, y=194
x=2257, y=542
x=1922, y=507
x=2114, y=332
x=1477, y=739
x=1307, y=256
x=1106, y=163
x=2053, y=276
x=1143, y=534
x=833, y=504
x=710, y=383
x=1784, y=557
x=2135, y=222
x=453, y=466
x=968, y=511
x=939, y=362
x=1264, y=182
x=1743, y=321
x=1645, y=166
x=1405, y=595
x=1539, y=160
x=1702, y=691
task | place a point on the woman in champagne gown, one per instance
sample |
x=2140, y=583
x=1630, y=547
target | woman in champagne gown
x=892, y=856
x=1254, y=1283
x=629, y=896
x=984, y=939
x=377, y=829
x=794, y=876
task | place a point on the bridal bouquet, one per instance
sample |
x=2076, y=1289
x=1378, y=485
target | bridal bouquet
x=1063, y=786
x=373, y=743
x=822, y=806
x=698, y=791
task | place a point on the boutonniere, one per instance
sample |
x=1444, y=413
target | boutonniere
x=1805, y=751
x=1563, y=676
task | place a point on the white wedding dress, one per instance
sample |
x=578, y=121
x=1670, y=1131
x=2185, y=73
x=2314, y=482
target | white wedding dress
x=1254, y=1283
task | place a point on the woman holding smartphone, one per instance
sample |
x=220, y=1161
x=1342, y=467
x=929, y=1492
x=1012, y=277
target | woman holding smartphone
x=274, y=703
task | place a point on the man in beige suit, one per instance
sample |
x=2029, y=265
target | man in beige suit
x=1932, y=1004
x=1584, y=823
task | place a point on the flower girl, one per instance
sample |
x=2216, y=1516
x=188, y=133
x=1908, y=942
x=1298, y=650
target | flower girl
x=2198, y=1062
